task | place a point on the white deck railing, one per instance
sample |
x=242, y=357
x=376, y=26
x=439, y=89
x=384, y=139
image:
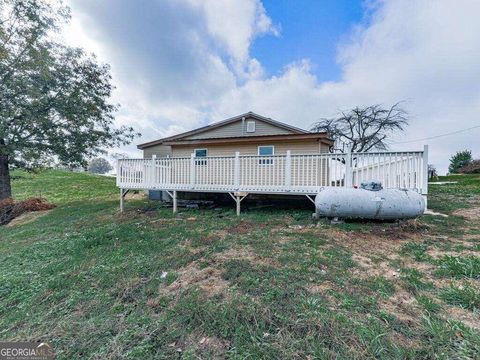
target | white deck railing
x=296, y=174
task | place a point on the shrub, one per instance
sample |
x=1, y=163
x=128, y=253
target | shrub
x=472, y=168
x=460, y=159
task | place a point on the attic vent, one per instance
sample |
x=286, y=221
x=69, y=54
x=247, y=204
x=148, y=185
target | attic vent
x=250, y=126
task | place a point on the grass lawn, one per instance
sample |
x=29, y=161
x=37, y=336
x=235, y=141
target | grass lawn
x=206, y=284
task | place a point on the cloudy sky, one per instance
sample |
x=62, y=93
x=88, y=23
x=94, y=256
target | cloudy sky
x=180, y=64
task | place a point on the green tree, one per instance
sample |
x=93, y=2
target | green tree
x=54, y=99
x=99, y=166
x=460, y=159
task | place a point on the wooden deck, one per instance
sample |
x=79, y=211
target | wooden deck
x=289, y=174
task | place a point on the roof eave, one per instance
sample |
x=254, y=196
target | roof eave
x=221, y=123
x=246, y=139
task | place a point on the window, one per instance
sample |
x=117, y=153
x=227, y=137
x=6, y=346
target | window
x=250, y=126
x=266, y=151
x=199, y=153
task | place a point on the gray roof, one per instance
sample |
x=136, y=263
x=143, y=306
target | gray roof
x=202, y=129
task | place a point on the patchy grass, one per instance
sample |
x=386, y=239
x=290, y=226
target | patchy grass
x=459, y=266
x=428, y=304
x=414, y=280
x=206, y=284
x=417, y=250
x=467, y=297
x=451, y=197
x=382, y=286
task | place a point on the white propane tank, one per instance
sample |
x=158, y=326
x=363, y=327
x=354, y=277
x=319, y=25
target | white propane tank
x=385, y=204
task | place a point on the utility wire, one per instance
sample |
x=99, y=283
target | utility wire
x=437, y=136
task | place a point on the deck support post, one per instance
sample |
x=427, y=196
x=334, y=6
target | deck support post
x=238, y=200
x=309, y=197
x=312, y=199
x=123, y=192
x=121, y=200
x=238, y=197
x=173, y=195
x=175, y=203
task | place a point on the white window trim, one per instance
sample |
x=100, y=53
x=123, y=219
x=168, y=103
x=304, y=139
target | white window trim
x=265, y=162
x=261, y=146
x=200, y=162
x=195, y=152
x=254, y=126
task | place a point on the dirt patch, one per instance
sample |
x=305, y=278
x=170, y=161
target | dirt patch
x=244, y=227
x=28, y=218
x=437, y=253
x=471, y=238
x=136, y=195
x=212, y=346
x=373, y=243
x=213, y=236
x=10, y=209
x=380, y=241
x=247, y=254
x=404, y=230
x=467, y=317
x=403, y=305
x=208, y=279
x=367, y=268
x=472, y=214
x=424, y=267
x=323, y=290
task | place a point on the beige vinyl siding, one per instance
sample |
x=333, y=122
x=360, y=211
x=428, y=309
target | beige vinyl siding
x=253, y=173
x=158, y=150
x=235, y=129
x=296, y=147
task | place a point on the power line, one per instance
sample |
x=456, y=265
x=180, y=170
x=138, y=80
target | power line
x=437, y=136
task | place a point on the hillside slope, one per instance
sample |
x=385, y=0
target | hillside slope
x=206, y=284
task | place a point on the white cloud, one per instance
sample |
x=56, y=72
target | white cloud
x=424, y=52
x=180, y=64
x=235, y=24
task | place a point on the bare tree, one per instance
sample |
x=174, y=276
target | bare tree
x=363, y=129
x=432, y=172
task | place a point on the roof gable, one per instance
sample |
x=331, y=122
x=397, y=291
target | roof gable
x=228, y=128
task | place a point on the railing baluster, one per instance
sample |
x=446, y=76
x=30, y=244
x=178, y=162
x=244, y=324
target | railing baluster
x=298, y=172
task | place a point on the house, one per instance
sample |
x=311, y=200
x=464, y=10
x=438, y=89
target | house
x=248, y=134
x=252, y=154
